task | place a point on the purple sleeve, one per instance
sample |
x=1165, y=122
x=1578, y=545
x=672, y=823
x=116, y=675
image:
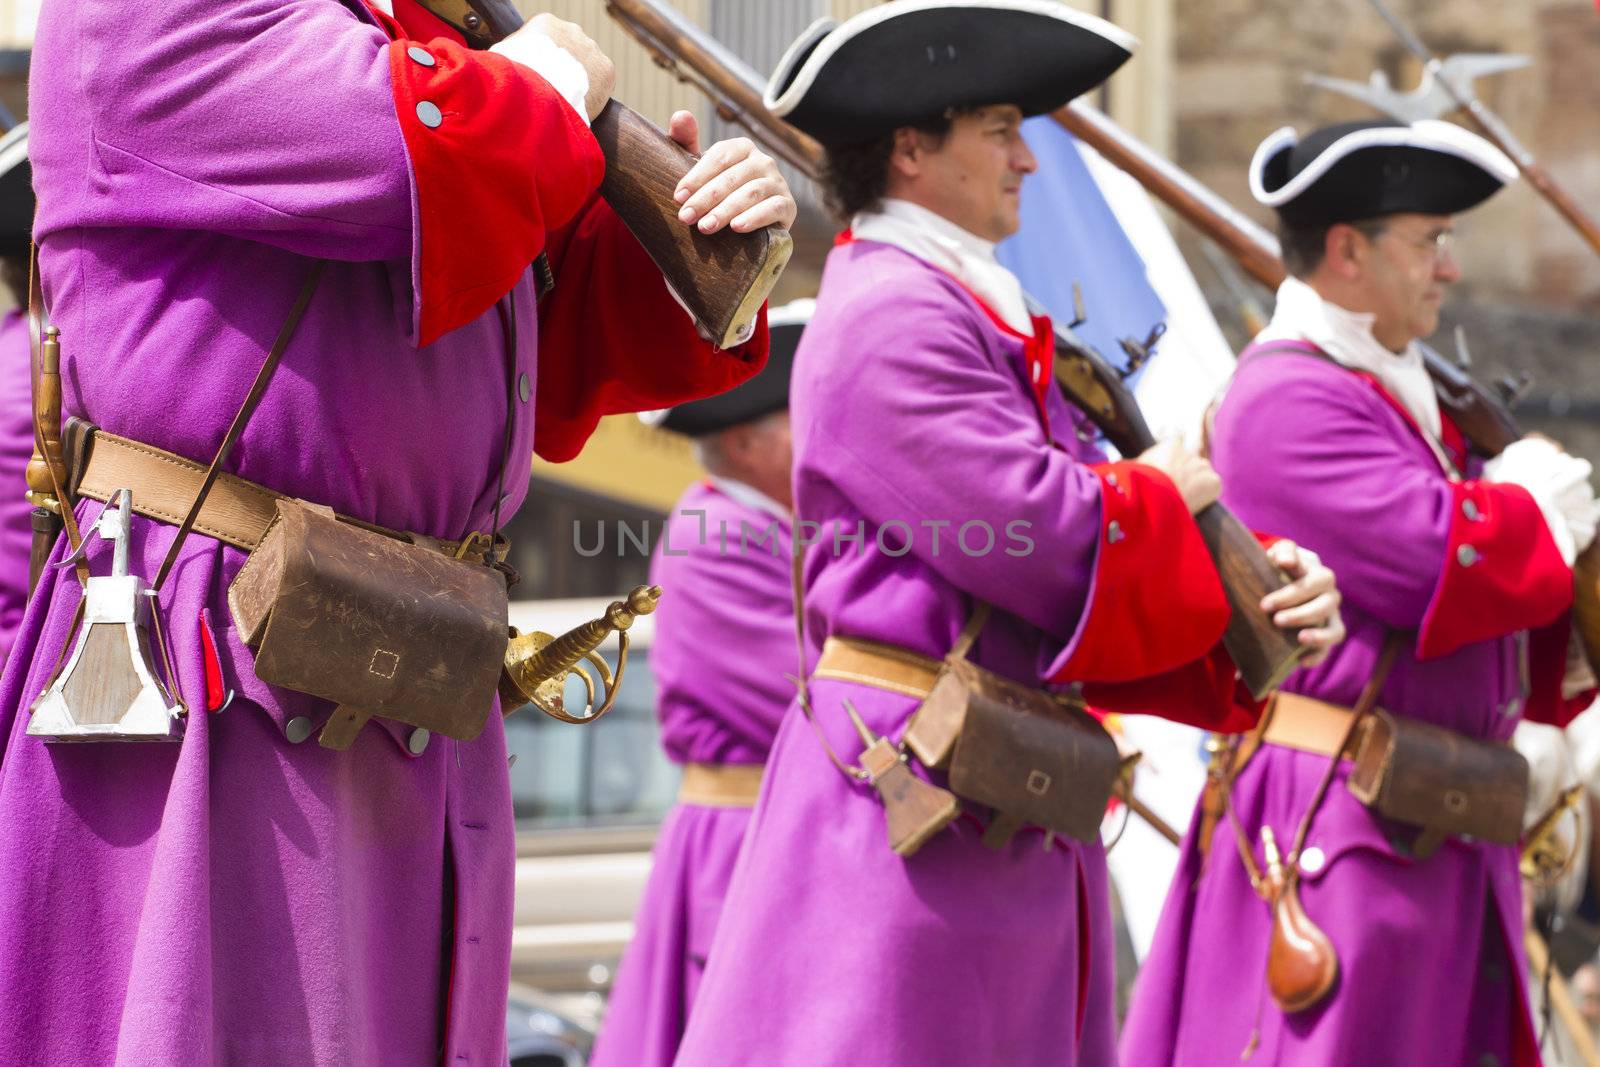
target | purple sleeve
x=930, y=430
x=271, y=120
x=1314, y=453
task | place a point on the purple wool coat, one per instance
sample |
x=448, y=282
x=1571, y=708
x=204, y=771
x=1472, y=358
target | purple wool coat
x=16, y=448
x=1430, y=951
x=723, y=657
x=237, y=898
x=911, y=407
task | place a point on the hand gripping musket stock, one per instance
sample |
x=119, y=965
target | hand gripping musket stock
x=1483, y=417
x=1264, y=653
x=723, y=278
x=539, y=665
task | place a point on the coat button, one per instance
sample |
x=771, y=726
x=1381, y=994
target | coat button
x=417, y=743
x=421, y=56
x=1312, y=860
x=1114, y=532
x=524, y=387
x=1470, y=510
x=297, y=729
x=1466, y=555
x=429, y=115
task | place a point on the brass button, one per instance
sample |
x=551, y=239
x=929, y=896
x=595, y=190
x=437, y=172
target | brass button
x=297, y=729
x=1466, y=555
x=1470, y=510
x=421, y=56
x=429, y=115
x=524, y=387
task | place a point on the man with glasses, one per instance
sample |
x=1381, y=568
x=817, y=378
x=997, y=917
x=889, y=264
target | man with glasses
x=1331, y=434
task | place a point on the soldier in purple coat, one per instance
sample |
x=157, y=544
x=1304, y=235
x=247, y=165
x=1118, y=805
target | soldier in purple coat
x=937, y=466
x=245, y=897
x=1331, y=433
x=723, y=659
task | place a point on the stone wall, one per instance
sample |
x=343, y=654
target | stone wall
x=1238, y=76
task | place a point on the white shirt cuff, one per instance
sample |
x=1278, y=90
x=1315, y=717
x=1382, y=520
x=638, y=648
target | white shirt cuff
x=540, y=54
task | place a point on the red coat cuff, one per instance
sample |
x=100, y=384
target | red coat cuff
x=1502, y=571
x=1155, y=602
x=1205, y=693
x=613, y=340
x=1547, y=672
x=498, y=159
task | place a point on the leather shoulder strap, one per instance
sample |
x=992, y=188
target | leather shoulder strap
x=252, y=400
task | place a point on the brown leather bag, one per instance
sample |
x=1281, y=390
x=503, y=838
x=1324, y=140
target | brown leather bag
x=377, y=625
x=1444, y=782
x=1028, y=755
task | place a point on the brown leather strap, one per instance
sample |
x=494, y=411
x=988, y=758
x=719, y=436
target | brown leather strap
x=1368, y=700
x=803, y=691
x=721, y=785
x=1364, y=705
x=252, y=399
x=887, y=667
x=235, y=510
x=1309, y=725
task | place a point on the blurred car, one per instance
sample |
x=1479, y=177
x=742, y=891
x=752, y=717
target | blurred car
x=539, y=1035
x=588, y=801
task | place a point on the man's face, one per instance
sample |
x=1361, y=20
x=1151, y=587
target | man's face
x=1405, y=263
x=974, y=176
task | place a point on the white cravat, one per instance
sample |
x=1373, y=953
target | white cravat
x=750, y=497
x=1302, y=314
x=936, y=240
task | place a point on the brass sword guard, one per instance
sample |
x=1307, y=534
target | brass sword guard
x=538, y=665
x=1545, y=858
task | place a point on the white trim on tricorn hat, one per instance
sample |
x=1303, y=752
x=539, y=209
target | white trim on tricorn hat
x=1483, y=167
x=815, y=63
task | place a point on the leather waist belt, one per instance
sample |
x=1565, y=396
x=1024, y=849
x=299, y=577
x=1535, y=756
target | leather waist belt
x=898, y=670
x=1309, y=725
x=721, y=785
x=164, y=486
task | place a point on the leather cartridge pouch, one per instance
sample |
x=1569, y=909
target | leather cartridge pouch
x=1442, y=781
x=377, y=625
x=1032, y=757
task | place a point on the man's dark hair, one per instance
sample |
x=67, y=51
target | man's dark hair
x=1304, y=246
x=854, y=177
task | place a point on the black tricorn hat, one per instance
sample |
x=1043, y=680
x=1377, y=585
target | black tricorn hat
x=911, y=61
x=1363, y=170
x=762, y=395
x=16, y=193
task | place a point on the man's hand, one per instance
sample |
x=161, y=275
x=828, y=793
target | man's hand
x=1310, y=601
x=734, y=184
x=1191, y=472
x=570, y=36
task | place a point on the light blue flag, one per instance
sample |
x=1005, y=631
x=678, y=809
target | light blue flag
x=1069, y=234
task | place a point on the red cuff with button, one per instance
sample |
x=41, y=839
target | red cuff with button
x=1501, y=570
x=1155, y=603
x=498, y=160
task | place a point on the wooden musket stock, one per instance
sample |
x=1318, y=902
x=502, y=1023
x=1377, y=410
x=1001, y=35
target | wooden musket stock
x=723, y=278
x=1265, y=654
